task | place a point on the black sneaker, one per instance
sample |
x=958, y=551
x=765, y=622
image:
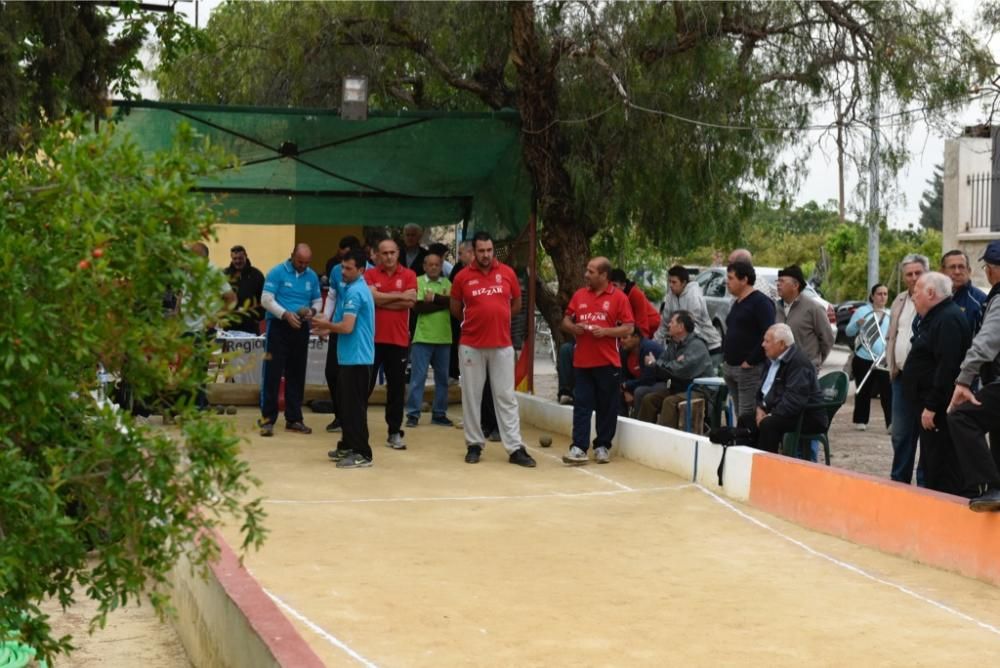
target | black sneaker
x=988, y=501
x=412, y=421
x=472, y=456
x=300, y=427
x=522, y=458
x=339, y=453
x=333, y=426
x=267, y=429
x=354, y=461
x=442, y=421
x=494, y=436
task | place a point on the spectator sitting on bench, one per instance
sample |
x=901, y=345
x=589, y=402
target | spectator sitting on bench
x=684, y=359
x=788, y=383
x=636, y=374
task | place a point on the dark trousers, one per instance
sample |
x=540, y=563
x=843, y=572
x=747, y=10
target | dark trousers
x=878, y=383
x=595, y=390
x=331, y=372
x=941, y=468
x=769, y=434
x=969, y=424
x=393, y=360
x=353, y=383
x=456, y=333
x=200, y=354
x=286, y=352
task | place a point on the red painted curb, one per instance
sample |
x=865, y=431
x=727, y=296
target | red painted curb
x=264, y=616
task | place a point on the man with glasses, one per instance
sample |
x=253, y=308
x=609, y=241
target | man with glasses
x=956, y=266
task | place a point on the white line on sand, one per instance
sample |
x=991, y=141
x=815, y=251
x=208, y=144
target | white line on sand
x=582, y=469
x=851, y=567
x=330, y=638
x=514, y=497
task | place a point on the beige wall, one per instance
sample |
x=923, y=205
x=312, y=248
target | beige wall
x=268, y=245
x=964, y=157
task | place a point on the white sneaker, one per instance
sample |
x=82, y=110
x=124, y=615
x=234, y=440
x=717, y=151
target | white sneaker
x=396, y=442
x=565, y=400
x=575, y=457
x=601, y=455
x=860, y=427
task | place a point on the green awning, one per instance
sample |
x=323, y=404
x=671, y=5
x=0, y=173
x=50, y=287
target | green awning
x=310, y=167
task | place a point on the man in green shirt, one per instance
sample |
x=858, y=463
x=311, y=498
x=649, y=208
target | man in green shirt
x=431, y=343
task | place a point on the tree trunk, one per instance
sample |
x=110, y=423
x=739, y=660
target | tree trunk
x=563, y=234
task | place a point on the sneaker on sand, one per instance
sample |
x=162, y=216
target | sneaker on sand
x=299, y=427
x=442, y=421
x=860, y=426
x=339, y=453
x=986, y=502
x=354, y=461
x=522, y=458
x=396, y=442
x=494, y=437
x=267, y=429
x=565, y=400
x=473, y=453
x=601, y=455
x=412, y=421
x=575, y=457
x=333, y=426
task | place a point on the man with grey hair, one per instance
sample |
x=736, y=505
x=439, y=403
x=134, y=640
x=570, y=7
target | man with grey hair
x=788, y=384
x=412, y=255
x=905, y=416
x=972, y=416
x=939, y=343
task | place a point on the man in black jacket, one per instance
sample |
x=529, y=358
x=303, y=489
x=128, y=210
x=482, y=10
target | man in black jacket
x=939, y=345
x=788, y=383
x=248, y=283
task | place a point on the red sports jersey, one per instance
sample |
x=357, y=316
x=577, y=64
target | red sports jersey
x=646, y=315
x=486, y=298
x=392, y=326
x=608, y=308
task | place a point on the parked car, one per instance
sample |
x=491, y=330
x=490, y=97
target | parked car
x=844, y=311
x=718, y=299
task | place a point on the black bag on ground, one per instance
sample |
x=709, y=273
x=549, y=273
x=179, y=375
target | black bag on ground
x=727, y=436
x=321, y=406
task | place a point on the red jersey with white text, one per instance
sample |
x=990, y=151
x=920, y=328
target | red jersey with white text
x=486, y=297
x=392, y=326
x=646, y=315
x=608, y=308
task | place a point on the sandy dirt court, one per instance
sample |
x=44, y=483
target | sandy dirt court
x=424, y=560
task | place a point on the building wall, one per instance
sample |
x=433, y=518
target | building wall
x=964, y=157
x=268, y=245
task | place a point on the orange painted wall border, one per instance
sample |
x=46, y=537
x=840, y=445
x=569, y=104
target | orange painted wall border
x=929, y=527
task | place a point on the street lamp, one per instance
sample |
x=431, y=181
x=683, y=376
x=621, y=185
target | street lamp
x=354, y=98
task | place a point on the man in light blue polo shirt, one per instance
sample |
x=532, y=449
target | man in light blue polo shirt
x=354, y=325
x=291, y=297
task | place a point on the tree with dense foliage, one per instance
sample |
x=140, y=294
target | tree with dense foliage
x=93, y=235
x=670, y=115
x=932, y=202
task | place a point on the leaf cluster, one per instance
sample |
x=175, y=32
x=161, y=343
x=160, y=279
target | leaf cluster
x=93, y=235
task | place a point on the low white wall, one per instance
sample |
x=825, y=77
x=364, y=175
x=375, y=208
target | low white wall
x=686, y=455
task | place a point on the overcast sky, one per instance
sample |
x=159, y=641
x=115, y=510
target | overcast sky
x=925, y=145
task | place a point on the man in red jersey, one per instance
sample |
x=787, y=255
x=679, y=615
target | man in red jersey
x=394, y=288
x=647, y=316
x=482, y=297
x=598, y=315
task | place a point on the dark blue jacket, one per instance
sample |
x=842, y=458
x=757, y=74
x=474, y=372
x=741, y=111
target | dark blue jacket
x=647, y=374
x=795, y=385
x=972, y=301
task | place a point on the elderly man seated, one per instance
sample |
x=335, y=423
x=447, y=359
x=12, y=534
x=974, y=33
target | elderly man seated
x=684, y=359
x=789, y=383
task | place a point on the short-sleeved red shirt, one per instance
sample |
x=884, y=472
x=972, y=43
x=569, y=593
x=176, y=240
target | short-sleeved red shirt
x=392, y=326
x=486, y=298
x=646, y=315
x=608, y=308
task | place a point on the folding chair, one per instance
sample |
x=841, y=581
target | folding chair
x=869, y=336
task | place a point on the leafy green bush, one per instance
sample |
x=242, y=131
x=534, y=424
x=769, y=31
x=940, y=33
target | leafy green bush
x=92, y=236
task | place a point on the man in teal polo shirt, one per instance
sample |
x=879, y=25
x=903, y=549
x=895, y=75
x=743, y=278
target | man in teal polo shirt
x=354, y=325
x=431, y=343
x=291, y=297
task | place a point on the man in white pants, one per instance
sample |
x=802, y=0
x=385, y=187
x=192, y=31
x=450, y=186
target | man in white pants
x=482, y=297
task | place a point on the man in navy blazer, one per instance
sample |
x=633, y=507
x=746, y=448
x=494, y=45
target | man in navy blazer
x=788, y=383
